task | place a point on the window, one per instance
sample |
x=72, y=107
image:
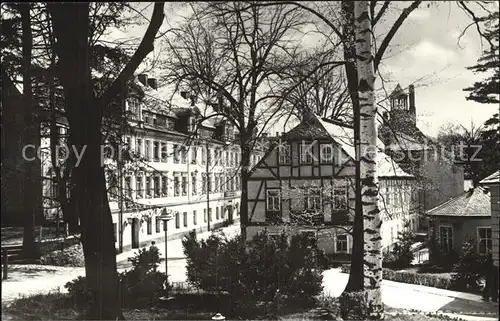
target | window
x=340, y=197
x=128, y=186
x=203, y=156
x=55, y=189
x=216, y=213
x=164, y=154
x=156, y=151
x=237, y=209
x=446, y=238
x=138, y=146
x=484, y=239
x=209, y=183
x=195, y=218
x=273, y=200
x=177, y=220
x=150, y=225
x=203, y=183
x=148, y=149
x=139, y=186
x=157, y=224
x=184, y=155
x=227, y=158
x=177, y=184
x=149, y=187
x=326, y=153
x=341, y=243
x=185, y=219
x=176, y=154
x=210, y=214
x=193, y=154
x=184, y=184
x=313, y=200
x=387, y=196
x=115, y=231
x=156, y=180
x=193, y=183
x=306, y=153
x=205, y=215
x=284, y=153
x=164, y=185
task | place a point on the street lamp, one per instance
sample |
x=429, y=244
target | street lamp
x=165, y=218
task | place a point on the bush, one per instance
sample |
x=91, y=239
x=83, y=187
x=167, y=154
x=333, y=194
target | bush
x=345, y=268
x=71, y=256
x=468, y=269
x=401, y=255
x=433, y=280
x=141, y=286
x=256, y=273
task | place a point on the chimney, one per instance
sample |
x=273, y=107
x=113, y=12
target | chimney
x=413, y=111
x=143, y=78
x=153, y=83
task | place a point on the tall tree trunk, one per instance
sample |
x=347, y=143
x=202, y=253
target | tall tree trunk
x=245, y=173
x=84, y=113
x=29, y=244
x=355, y=282
x=368, y=151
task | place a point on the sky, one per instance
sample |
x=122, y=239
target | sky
x=425, y=51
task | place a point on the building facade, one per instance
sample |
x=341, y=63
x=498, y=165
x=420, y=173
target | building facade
x=466, y=217
x=167, y=160
x=438, y=176
x=492, y=183
x=305, y=184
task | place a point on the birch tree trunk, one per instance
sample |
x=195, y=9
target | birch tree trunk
x=368, y=151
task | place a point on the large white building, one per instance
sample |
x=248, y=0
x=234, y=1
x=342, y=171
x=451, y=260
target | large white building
x=179, y=164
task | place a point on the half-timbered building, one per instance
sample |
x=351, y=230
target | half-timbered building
x=305, y=184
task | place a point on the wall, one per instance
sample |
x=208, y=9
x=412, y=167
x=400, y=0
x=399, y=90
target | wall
x=462, y=228
x=495, y=215
x=173, y=231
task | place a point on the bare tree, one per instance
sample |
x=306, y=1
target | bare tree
x=322, y=91
x=232, y=55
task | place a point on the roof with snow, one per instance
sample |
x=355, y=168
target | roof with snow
x=492, y=179
x=472, y=203
x=316, y=128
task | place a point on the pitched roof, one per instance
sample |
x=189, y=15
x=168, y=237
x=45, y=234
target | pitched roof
x=314, y=127
x=474, y=202
x=492, y=179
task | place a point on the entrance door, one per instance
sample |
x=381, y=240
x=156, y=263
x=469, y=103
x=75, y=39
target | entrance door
x=135, y=233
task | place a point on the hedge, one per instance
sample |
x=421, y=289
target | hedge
x=427, y=279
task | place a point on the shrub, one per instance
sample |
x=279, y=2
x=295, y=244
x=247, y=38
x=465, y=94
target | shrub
x=71, y=256
x=345, y=268
x=433, y=280
x=468, y=269
x=259, y=271
x=402, y=256
x=78, y=291
x=141, y=286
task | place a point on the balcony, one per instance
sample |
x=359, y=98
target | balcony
x=229, y=194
